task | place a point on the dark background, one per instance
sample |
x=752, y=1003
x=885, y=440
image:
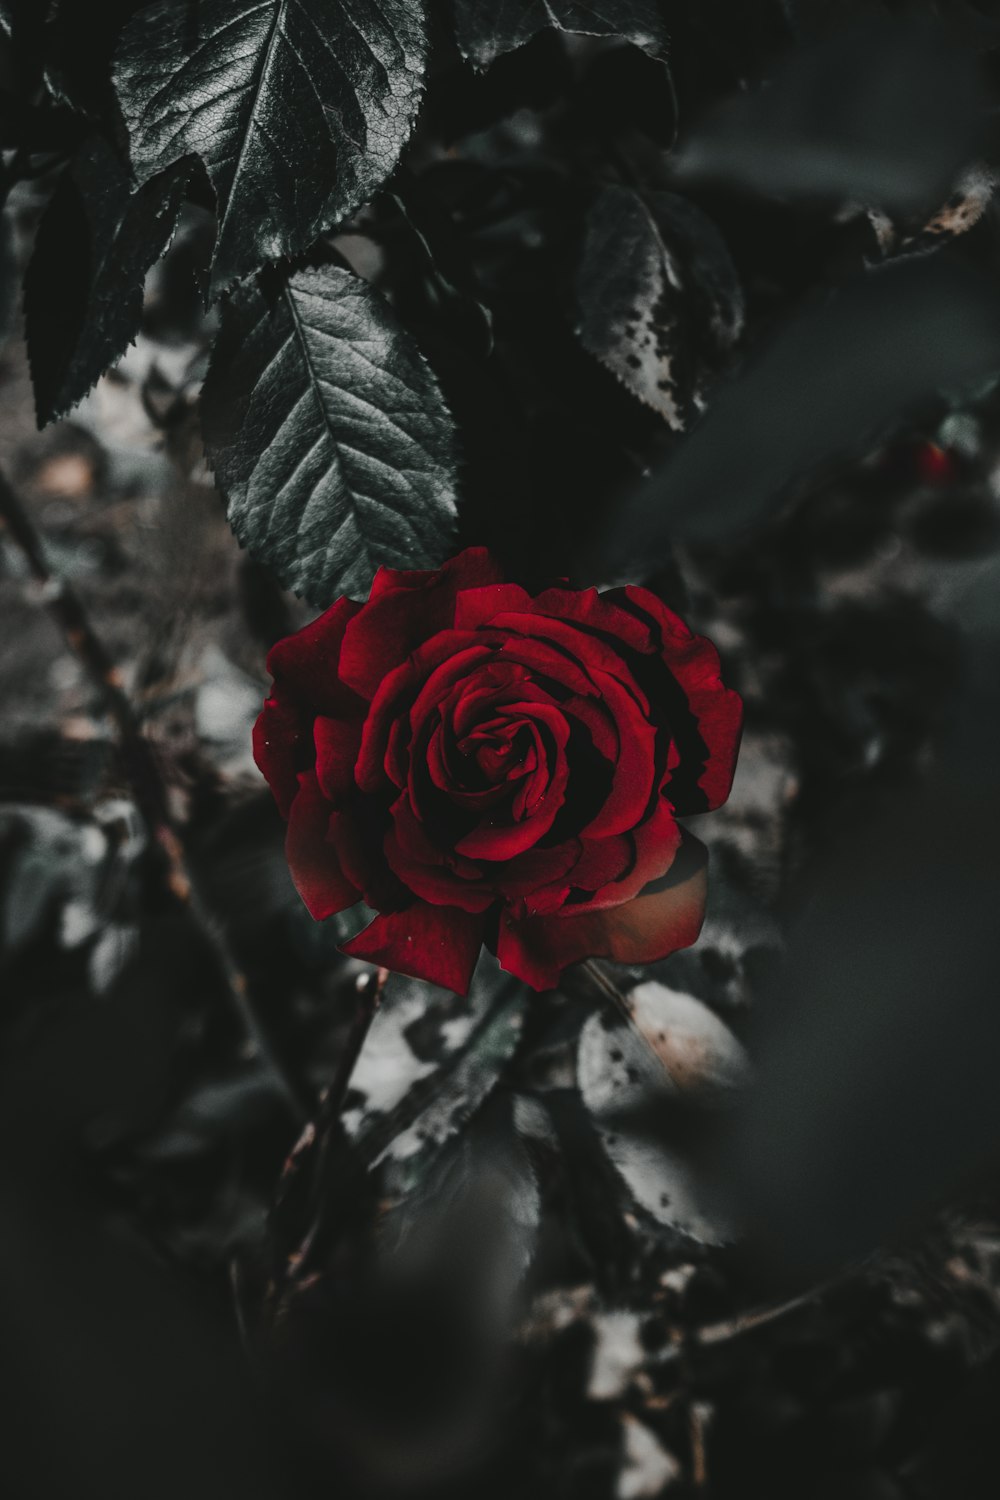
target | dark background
x=789, y=1286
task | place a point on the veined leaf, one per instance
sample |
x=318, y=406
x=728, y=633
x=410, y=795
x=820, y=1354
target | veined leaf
x=659, y=299
x=83, y=290
x=485, y=29
x=329, y=435
x=298, y=109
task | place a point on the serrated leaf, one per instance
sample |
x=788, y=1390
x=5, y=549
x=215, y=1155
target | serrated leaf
x=84, y=287
x=329, y=435
x=298, y=109
x=485, y=29
x=658, y=296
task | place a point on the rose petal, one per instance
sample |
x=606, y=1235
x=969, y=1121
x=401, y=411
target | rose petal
x=595, y=612
x=497, y=840
x=382, y=757
x=598, y=722
x=666, y=916
x=635, y=768
x=587, y=651
x=357, y=831
x=436, y=943
x=312, y=858
x=337, y=742
x=404, y=610
x=708, y=717
x=424, y=870
x=307, y=663
x=280, y=745
x=470, y=569
x=475, y=607
x=654, y=847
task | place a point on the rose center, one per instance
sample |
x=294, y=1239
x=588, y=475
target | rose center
x=501, y=751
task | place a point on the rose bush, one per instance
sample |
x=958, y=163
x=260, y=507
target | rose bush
x=480, y=765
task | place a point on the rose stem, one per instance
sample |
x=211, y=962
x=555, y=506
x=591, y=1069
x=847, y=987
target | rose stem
x=330, y=1124
x=152, y=800
x=599, y=976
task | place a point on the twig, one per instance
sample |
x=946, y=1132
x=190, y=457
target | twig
x=369, y=1000
x=730, y=1328
x=603, y=981
x=330, y=1129
x=699, y=1460
x=143, y=772
x=605, y=984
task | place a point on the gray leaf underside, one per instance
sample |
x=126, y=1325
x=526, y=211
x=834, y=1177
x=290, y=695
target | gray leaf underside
x=329, y=436
x=655, y=283
x=675, y=1048
x=485, y=29
x=298, y=109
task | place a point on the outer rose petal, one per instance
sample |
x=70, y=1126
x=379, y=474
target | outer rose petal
x=709, y=742
x=475, y=607
x=307, y=663
x=280, y=744
x=312, y=859
x=337, y=742
x=666, y=916
x=436, y=943
x=404, y=610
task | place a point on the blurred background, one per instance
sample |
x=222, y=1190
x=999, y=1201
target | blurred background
x=542, y=1255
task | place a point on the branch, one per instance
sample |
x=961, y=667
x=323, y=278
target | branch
x=143, y=772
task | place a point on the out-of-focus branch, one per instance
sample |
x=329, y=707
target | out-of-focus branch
x=144, y=776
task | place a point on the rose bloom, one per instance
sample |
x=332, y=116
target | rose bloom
x=480, y=765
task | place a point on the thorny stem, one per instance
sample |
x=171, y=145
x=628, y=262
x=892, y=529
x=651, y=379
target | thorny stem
x=369, y=1000
x=145, y=779
x=329, y=1127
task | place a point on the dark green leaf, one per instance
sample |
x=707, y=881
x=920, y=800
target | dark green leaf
x=84, y=287
x=298, y=109
x=485, y=29
x=833, y=379
x=80, y=41
x=329, y=435
x=658, y=296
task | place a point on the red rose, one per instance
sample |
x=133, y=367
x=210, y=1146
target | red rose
x=482, y=766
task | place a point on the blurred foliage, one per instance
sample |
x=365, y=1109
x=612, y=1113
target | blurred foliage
x=725, y=1226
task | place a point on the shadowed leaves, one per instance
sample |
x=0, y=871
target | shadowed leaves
x=485, y=29
x=298, y=109
x=84, y=287
x=839, y=375
x=328, y=434
x=658, y=296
